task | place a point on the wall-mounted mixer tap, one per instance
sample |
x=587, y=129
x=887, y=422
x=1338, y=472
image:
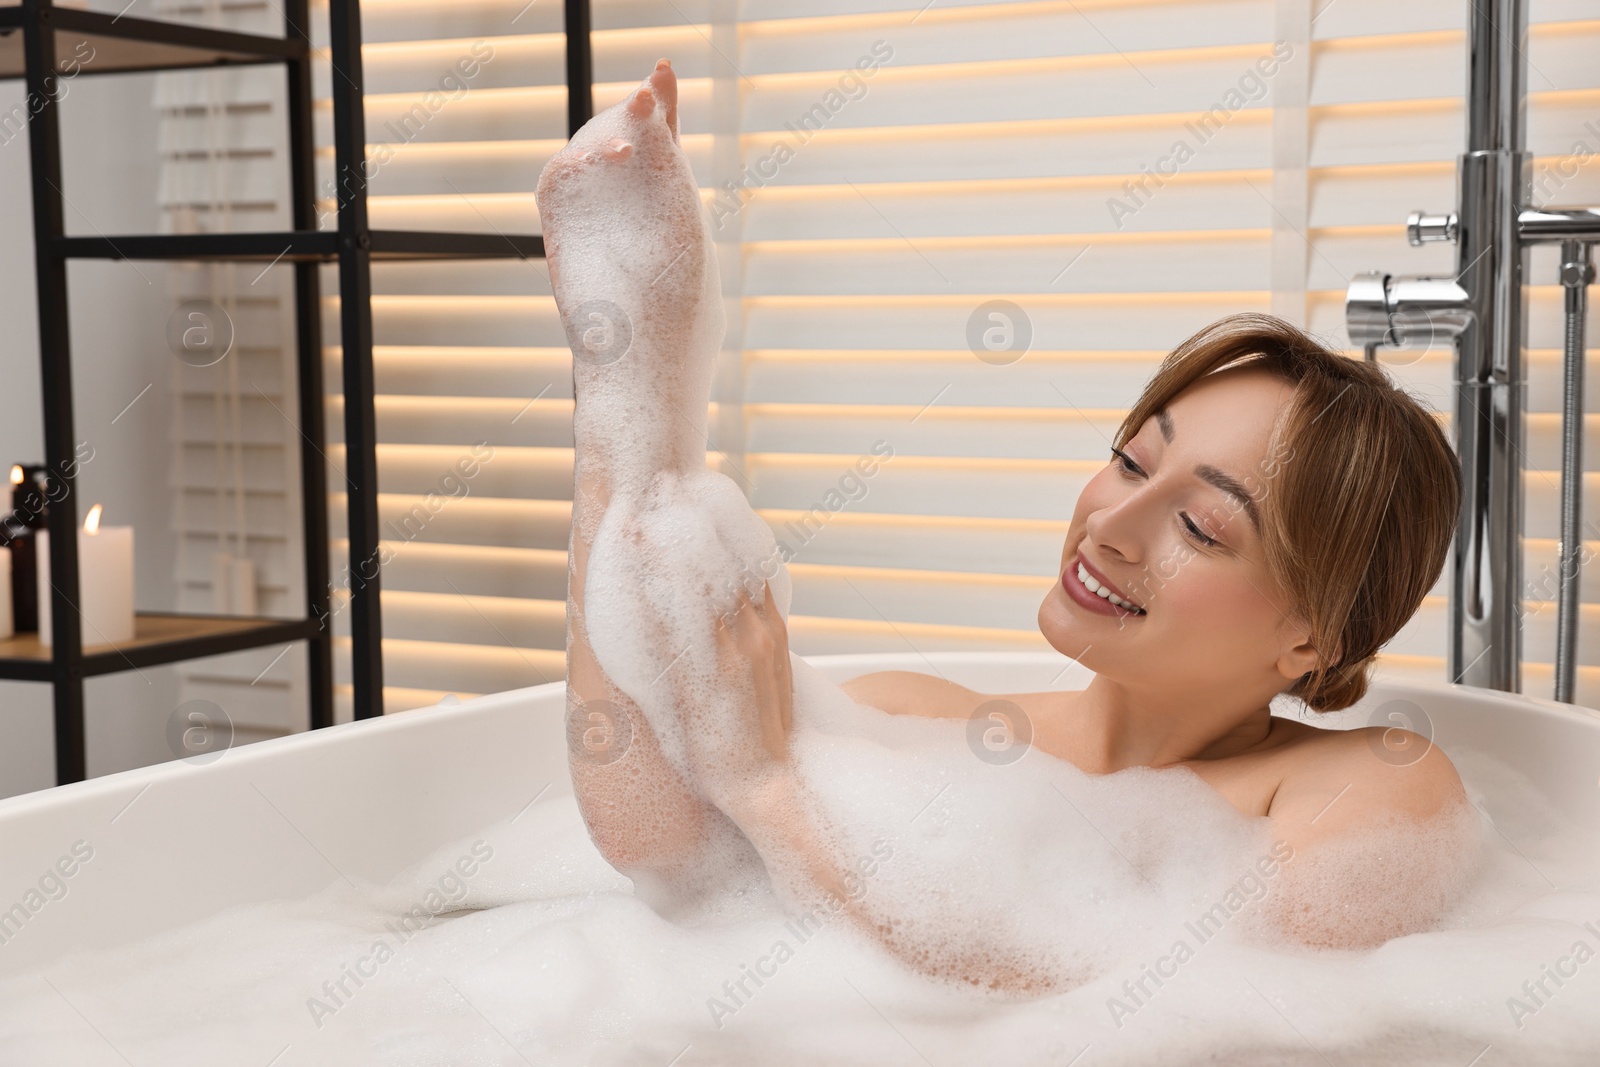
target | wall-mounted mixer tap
x=1382, y=311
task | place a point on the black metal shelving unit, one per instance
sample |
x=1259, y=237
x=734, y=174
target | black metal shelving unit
x=33, y=35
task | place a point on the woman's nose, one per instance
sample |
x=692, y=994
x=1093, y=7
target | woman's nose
x=1120, y=526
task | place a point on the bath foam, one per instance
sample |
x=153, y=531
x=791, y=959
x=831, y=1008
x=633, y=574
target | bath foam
x=550, y=953
x=1032, y=869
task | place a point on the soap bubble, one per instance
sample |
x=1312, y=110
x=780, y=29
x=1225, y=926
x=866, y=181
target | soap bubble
x=999, y=732
x=199, y=732
x=600, y=332
x=999, y=332
x=200, y=333
x=598, y=733
x=1393, y=745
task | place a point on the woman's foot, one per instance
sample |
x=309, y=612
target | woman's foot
x=602, y=141
x=631, y=262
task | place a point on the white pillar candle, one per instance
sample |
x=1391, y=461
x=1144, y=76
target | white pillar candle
x=7, y=627
x=105, y=583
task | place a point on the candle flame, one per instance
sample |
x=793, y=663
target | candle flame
x=91, y=525
x=16, y=474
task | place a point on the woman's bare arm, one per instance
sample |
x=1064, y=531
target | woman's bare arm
x=767, y=802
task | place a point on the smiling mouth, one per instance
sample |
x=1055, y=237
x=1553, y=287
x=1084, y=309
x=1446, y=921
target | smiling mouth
x=1089, y=582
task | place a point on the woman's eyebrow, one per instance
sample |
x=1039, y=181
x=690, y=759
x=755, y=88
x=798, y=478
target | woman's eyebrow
x=1207, y=473
x=1230, y=485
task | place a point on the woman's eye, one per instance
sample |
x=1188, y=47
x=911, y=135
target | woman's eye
x=1195, y=532
x=1125, y=462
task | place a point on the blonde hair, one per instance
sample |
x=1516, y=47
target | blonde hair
x=1361, y=497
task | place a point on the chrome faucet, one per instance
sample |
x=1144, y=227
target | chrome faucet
x=1384, y=311
x=1481, y=311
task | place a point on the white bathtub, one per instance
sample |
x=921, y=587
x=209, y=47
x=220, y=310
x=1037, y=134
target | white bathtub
x=284, y=818
x=174, y=844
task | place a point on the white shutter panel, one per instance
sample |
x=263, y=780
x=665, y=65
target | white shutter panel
x=224, y=139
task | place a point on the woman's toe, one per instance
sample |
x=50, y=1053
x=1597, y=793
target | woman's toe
x=665, y=83
x=642, y=103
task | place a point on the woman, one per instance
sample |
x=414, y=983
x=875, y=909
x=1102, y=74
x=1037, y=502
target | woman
x=1271, y=515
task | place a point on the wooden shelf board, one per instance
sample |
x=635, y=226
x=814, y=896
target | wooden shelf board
x=159, y=637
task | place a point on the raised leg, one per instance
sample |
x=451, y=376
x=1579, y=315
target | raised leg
x=636, y=284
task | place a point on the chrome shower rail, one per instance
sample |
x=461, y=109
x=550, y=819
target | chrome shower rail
x=1482, y=312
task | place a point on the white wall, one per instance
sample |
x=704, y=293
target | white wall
x=118, y=324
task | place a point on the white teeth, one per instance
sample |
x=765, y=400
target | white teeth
x=1099, y=590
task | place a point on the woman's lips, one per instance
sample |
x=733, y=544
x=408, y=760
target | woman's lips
x=1091, y=601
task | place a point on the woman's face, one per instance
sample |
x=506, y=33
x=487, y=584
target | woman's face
x=1171, y=527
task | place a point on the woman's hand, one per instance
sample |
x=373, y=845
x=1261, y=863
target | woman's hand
x=754, y=643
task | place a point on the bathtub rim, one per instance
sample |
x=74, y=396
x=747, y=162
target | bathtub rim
x=835, y=665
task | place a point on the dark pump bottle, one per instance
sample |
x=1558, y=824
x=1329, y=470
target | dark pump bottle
x=19, y=531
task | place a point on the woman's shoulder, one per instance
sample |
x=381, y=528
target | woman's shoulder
x=1340, y=778
x=913, y=693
